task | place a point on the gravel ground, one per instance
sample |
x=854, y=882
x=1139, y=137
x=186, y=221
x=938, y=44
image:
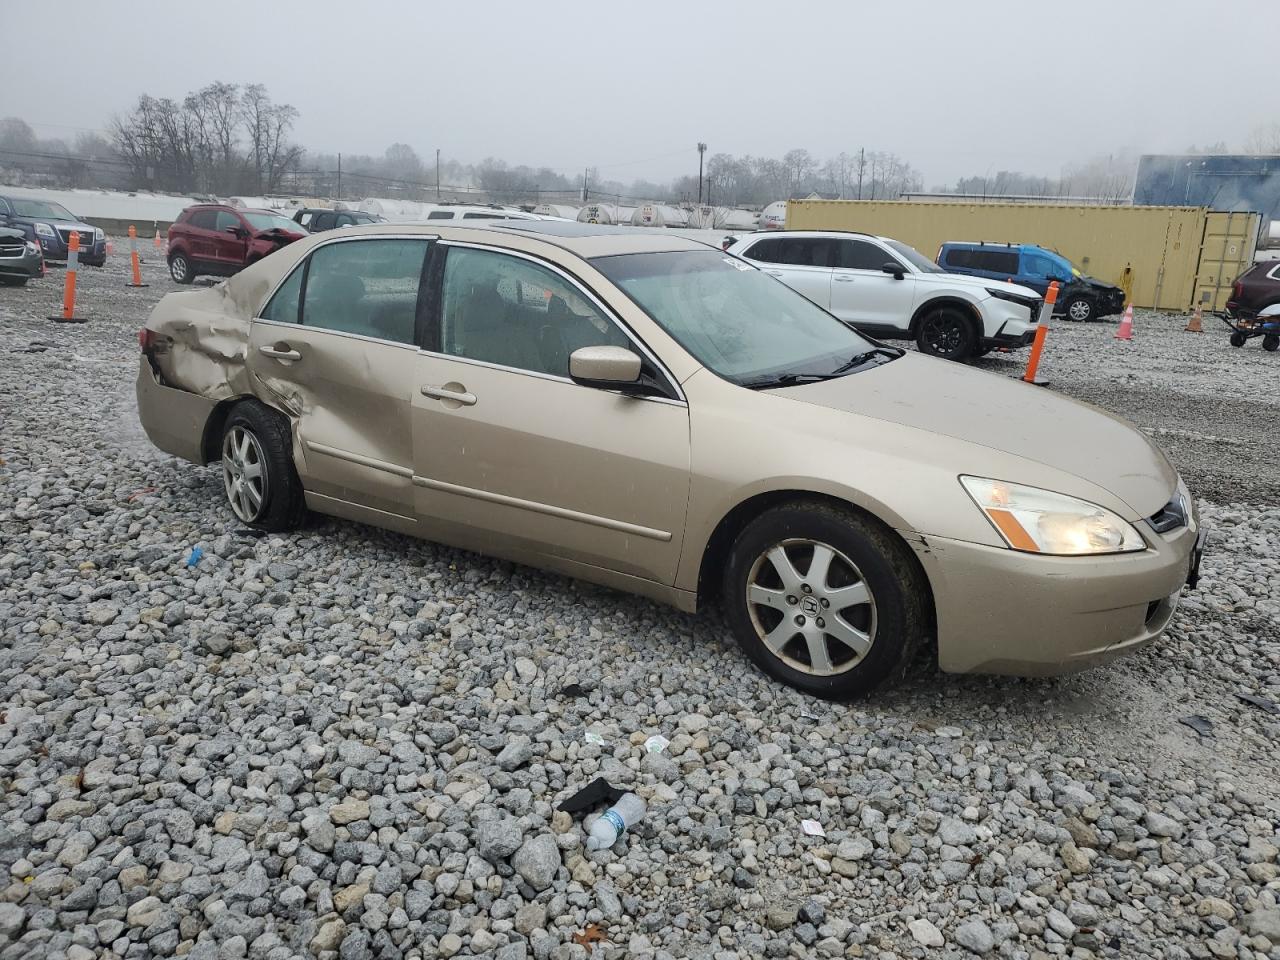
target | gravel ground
x=344, y=743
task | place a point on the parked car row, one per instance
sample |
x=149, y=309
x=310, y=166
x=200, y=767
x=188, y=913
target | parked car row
x=647, y=412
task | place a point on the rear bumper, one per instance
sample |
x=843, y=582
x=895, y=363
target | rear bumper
x=1004, y=612
x=174, y=420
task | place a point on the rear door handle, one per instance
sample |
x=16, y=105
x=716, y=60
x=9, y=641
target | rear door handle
x=774, y=273
x=457, y=396
x=844, y=279
x=285, y=354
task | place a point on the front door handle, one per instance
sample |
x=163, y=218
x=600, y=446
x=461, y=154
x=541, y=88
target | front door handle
x=457, y=396
x=285, y=354
x=844, y=279
x=774, y=273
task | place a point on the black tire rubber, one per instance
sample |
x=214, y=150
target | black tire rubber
x=1092, y=314
x=14, y=281
x=284, y=507
x=1271, y=342
x=966, y=338
x=188, y=274
x=899, y=588
x=1238, y=339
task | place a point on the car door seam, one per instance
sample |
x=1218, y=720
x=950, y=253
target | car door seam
x=535, y=506
x=359, y=459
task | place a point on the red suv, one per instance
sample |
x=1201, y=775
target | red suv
x=1255, y=290
x=212, y=238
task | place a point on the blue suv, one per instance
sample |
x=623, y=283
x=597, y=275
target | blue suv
x=1080, y=297
x=49, y=225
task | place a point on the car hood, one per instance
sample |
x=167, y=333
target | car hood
x=10, y=232
x=979, y=285
x=992, y=411
x=1100, y=285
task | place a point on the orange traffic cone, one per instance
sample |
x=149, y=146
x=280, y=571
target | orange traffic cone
x=159, y=242
x=1126, y=324
x=1194, y=325
x=111, y=248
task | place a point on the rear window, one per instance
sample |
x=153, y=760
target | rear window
x=980, y=258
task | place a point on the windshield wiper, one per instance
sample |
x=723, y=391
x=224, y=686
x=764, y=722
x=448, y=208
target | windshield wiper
x=794, y=379
x=858, y=359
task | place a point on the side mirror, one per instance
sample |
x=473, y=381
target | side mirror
x=234, y=231
x=894, y=268
x=607, y=367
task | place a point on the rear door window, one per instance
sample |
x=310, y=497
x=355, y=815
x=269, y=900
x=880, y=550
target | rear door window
x=367, y=287
x=203, y=220
x=808, y=251
x=996, y=261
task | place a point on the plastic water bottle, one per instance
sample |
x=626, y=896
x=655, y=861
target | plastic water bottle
x=614, y=822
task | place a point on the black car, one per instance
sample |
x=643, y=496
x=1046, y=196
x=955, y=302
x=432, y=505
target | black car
x=20, y=258
x=319, y=219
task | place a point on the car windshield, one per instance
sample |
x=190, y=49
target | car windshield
x=270, y=221
x=737, y=321
x=914, y=257
x=45, y=209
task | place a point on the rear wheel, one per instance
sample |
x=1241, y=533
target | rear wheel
x=824, y=599
x=947, y=333
x=1080, y=309
x=1271, y=342
x=258, y=474
x=180, y=268
x=1238, y=339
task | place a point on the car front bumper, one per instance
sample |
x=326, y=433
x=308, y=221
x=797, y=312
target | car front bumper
x=28, y=265
x=1006, y=612
x=1007, y=324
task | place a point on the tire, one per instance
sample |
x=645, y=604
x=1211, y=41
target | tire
x=258, y=475
x=180, y=268
x=1080, y=309
x=948, y=334
x=1271, y=342
x=1238, y=339
x=863, y=560
x=14, y=281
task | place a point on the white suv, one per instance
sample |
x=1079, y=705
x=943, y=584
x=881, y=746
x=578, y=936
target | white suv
x=889, y=290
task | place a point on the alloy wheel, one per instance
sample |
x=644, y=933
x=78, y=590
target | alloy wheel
x=943, y=333
x=1080, y=310
x=244, y=475
x=811, y=607
x=178, y=268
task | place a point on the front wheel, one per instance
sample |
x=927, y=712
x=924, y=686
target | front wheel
x=180, y=268
x=948, y=334
x=1271, y=342
x=1080, y=309
x=824, y=599
x=258, y=474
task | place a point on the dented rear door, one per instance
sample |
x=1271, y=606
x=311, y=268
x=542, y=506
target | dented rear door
x=335, y=348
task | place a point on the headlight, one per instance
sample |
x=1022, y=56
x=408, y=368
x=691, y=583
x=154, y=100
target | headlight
x=44, y=230
x=98, y=234
x=1039, y=521
x=1031, y=303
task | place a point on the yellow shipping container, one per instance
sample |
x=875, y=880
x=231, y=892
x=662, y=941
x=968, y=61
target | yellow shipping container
x=1164, y=257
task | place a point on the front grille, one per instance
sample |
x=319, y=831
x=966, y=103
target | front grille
x=12, y=248
x=86, y=237
x=1172, y=516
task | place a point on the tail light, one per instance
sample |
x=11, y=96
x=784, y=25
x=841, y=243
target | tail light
x=147, y=340
x=1237, y=290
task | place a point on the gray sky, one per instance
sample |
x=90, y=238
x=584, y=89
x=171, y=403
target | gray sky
x=955, y=88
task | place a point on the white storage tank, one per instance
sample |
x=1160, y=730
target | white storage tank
x=598, y=213
x=774, y=216
x=563, y=210
x=659, y=215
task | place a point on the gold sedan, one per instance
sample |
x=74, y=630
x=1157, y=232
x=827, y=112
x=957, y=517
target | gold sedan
x=644, y=411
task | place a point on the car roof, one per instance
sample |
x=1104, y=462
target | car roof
x=811, y=233
x=597, y=239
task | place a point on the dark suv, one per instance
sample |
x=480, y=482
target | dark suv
x=219, y=240
x=1254, y=290
x=318, y=219
x=49, y=225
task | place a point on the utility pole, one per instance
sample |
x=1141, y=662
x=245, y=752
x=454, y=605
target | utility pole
x=862, y=162
x=584, y=184
x=339, y=176
x=437, y=174
x=702, y=148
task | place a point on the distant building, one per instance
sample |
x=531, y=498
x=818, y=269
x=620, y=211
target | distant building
x=1217, y=181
